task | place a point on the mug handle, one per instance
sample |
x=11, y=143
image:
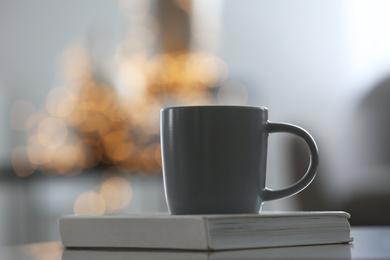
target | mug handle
x=312, y=169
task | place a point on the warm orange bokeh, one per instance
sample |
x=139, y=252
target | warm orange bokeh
x=90, y=122
x=107, y=112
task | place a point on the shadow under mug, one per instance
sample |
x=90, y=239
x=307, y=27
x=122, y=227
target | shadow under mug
x=214, y=159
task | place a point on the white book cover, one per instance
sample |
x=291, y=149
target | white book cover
x=206, y=232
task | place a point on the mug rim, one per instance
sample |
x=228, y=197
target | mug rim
x=215, y=106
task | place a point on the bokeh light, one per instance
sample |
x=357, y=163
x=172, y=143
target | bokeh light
x=112, y=195
x=89, y=203
x=60, y=102
x=116, y=193
x=52, y=132
x=116, y=124
x=109, y=116
x=43, y=251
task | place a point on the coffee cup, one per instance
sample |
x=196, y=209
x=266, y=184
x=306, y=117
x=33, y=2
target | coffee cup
x=214, y=159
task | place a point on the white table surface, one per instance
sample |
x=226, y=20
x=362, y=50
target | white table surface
x=369, y=243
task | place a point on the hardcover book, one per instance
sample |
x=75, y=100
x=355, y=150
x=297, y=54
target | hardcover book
x=205, y=232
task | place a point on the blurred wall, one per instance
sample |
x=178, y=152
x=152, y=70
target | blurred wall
x=4, y=130
x=292, y=57
x=311, y=63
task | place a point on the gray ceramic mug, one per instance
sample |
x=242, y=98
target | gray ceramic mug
x=214, y=159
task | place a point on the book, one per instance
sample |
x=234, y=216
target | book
x=205, y=232
x=336, y=251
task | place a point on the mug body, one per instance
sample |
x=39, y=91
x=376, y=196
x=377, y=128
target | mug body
x=214, y=158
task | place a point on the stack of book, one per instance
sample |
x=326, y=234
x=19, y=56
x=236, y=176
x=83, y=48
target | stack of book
x=205, y=232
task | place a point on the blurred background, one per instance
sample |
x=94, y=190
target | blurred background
x=82, y=82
